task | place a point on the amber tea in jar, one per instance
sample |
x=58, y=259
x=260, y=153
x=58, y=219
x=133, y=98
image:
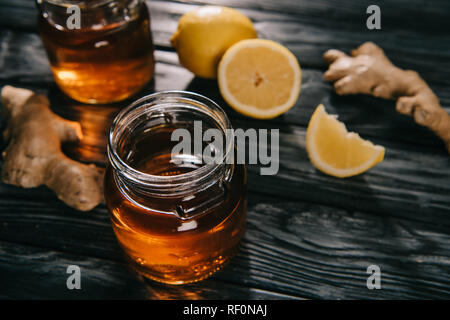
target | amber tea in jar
x=177, y=218
x=110, y=56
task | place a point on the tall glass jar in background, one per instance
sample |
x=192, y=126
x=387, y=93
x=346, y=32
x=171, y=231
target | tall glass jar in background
x=108, y=58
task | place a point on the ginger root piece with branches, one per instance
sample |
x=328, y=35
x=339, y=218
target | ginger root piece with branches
x=369, y=71
x=33, y=156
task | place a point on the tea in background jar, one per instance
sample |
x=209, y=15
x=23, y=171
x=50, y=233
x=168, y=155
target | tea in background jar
x=108, y=58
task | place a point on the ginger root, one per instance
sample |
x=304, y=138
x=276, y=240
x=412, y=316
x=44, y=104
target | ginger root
x=33, y=156
x=369, y=71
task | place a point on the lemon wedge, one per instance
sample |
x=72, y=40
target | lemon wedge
x=337, y=152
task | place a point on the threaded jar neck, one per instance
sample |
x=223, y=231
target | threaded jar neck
x=155, y=111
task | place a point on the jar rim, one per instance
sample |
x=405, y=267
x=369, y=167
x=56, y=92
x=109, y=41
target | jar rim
x=203, y=173
x=84, y=3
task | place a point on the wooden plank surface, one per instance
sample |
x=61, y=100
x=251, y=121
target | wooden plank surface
x=290, y=247
x=100, y=279
x=308, y=235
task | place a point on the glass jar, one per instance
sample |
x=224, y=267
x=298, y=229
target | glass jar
x=177, y=217
x=101, y=52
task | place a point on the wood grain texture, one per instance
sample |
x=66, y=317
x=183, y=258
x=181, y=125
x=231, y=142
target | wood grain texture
x=308, y=235
x=25, y=64
x=290, y=247
x=412, y=182
x=413, y=32
x=37, y=273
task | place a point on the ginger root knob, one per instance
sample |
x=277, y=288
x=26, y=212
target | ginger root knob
x=369, y=71
x=33, y=156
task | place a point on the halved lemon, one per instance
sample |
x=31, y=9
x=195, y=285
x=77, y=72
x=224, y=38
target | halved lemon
x=259, y=78
x=337, y=152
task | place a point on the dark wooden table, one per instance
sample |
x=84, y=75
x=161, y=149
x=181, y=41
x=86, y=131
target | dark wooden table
x=308, y=235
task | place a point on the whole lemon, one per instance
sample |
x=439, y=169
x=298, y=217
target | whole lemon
x=203, y=36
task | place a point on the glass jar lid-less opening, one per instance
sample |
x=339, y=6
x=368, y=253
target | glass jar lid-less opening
x=156, y=116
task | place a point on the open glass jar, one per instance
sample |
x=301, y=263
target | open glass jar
x=177, y=217
x=100, y=51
